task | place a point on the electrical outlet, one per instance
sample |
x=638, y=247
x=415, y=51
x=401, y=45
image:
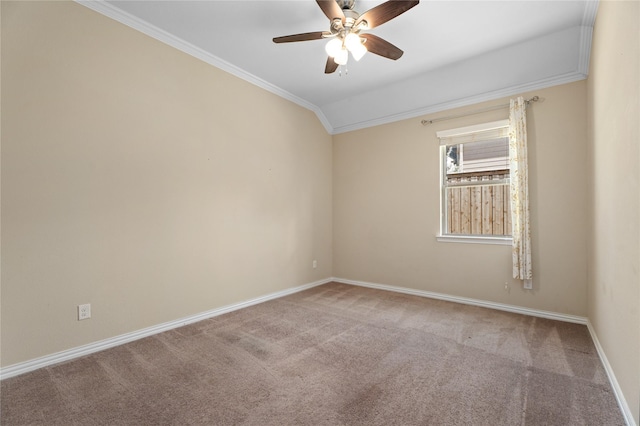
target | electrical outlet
x=84, y=312
x=528, y=284
x=315, y=264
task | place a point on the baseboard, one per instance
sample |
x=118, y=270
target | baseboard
x=467, y=301
x=24, y=367
x=622, y=402
x=69, y=354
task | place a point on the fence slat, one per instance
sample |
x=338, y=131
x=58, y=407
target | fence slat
x=487, y=210
x=465, y=210
x=478, y=210
x=498, y=212
x=455, y=211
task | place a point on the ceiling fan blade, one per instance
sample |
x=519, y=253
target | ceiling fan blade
x=331, y=66
x=331, y=9
x=385, y=12
x=379, y=46
x=317, y=35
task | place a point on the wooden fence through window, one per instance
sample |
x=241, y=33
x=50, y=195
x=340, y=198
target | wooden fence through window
x=477, y=207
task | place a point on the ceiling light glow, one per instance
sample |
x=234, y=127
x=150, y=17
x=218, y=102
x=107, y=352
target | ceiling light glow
x=334, y=47
x=342, y=57
x=356, y=47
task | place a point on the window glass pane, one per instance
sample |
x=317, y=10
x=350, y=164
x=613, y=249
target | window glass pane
x=475, y=189
x=452, y=159
x=478, y=156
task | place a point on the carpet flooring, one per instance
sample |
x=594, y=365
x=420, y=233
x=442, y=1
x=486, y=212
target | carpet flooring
x=331, y=355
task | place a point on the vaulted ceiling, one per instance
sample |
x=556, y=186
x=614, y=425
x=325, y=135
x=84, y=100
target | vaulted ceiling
x=455, y=52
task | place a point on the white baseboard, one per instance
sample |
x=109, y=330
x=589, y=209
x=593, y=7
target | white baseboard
x=66, y=355
x=467, y=301
x=34, y=364
x=622, y=402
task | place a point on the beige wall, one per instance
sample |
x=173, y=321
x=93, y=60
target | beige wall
x=143, y=181
x=386, y=208
x=154, y=186
x=614, y=154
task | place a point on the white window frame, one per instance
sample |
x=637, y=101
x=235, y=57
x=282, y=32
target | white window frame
x=463, y=135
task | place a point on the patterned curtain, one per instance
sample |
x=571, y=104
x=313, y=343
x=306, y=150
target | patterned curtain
x=521, y=231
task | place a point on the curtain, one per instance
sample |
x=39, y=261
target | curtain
x=521, y=232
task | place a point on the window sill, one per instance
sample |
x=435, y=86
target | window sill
x=473, y=239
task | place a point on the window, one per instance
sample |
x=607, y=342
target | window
x=475, y=203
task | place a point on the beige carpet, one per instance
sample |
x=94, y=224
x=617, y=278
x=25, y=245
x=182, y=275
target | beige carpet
x=332, y=355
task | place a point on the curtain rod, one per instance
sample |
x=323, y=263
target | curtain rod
x=479, y=111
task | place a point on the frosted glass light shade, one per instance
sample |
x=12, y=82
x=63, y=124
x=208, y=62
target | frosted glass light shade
x=342, y=57
x=358, y=51
x=355, y=46
x=352, y=40
x=334, y=47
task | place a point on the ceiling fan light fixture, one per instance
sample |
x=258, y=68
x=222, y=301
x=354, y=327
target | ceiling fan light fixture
x=355, y=46
x=352, y=40
x=333, y=47
x=342, y=57
x=345, y=25
x=358, y=52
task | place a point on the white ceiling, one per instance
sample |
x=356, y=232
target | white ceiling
x=455, y=52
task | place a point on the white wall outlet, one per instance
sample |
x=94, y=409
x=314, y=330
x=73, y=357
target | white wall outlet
x=84, y=311
x=315, y=264
x=528, y=284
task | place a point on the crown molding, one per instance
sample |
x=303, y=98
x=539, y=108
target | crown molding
x=590, y=12
x=471, y=100
x=586, y=35
x=152, y=31
x=584, y=54
x=581, y=72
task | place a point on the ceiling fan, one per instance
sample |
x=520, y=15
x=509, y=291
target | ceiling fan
x=345, y=32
